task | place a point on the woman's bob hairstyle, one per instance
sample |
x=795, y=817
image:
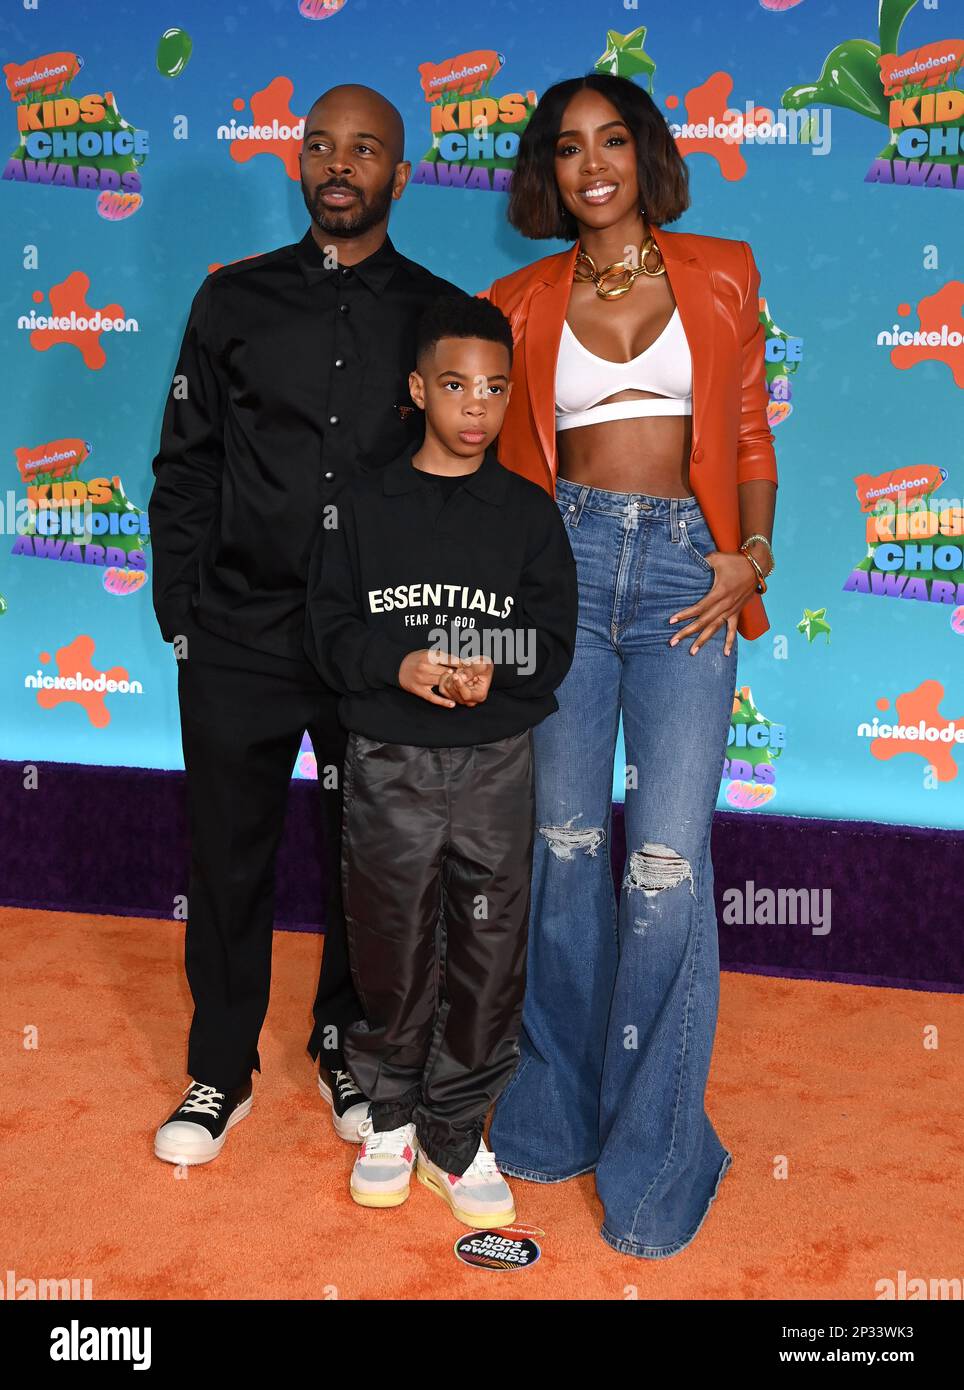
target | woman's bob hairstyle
x=535, y=207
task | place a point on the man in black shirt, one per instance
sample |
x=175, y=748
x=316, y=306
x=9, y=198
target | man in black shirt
x=293, y=373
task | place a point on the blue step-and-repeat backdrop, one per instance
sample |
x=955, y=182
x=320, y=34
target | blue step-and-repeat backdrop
x=149, y=143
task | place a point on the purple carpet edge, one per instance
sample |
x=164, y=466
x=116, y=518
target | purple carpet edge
x=873, y=875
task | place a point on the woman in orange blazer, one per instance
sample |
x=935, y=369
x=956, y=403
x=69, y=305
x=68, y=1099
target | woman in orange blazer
x=639, y=398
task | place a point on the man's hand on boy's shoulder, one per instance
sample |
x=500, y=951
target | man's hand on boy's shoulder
x=421, y=670
x=470, y=682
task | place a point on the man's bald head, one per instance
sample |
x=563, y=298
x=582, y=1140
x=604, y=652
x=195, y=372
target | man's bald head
x=352, y=161
x=376, y=114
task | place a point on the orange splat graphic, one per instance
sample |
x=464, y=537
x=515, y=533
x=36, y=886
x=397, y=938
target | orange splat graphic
x=710, y=102
x=216, y=265
x=912, y=707
x=71, y=294
x=76, y=656
x=934, y=311
x=272, y=103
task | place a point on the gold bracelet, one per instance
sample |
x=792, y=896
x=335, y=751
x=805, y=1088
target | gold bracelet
x=757, y=537
x=761, y=587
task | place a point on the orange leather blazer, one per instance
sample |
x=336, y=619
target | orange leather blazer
x=716, y=284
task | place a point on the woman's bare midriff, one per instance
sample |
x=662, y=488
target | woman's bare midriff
x=648, y=454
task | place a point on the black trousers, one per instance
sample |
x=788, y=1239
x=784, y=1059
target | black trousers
x=243, y=715
x=436, y=873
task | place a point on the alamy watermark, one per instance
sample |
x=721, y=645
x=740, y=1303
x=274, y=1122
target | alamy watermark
x=750, y=906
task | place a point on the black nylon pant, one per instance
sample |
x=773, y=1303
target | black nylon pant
x=243, y=715
x=436, y=872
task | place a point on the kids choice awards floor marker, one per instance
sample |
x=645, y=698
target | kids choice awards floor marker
x=510, y=1248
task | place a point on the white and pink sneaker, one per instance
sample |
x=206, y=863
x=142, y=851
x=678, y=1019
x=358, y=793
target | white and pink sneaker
x=480, y=1198
x=383, y=1168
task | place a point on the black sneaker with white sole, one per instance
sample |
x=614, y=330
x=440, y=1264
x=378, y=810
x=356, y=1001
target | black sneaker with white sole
x=348, y=1105
x=197, y=1130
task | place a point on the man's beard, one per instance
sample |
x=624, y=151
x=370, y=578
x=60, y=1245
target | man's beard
x=343, y=223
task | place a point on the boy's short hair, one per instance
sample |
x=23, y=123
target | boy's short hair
x=461, y=316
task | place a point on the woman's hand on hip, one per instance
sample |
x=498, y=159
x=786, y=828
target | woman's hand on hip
x=734, y=581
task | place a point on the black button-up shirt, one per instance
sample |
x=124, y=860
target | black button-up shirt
x=292, y=374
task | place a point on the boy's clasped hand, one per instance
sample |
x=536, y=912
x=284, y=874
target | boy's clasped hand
x=463, y=681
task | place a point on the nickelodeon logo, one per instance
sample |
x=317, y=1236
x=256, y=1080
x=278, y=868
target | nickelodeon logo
x=940, y=336
x=79, y=682
x=273, y=128
x=917, y=726
x=927, y=66
x=43, y=75
x=898, y=485
x=56, y=459
x=463, y=74
x=75, y=322
x=269, y=130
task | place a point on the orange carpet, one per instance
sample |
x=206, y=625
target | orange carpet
x=835, y=1080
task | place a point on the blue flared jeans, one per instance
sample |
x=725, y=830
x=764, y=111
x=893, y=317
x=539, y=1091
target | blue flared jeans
x=621, y=996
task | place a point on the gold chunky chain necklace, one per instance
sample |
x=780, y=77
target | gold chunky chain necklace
x=623, y=272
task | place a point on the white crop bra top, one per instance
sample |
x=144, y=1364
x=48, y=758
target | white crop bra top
x=583, y=379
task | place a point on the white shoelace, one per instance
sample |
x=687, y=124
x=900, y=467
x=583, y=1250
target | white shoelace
x=204, y=1100
x=345, y=1086
x=483, y=1167
x=386, y=1143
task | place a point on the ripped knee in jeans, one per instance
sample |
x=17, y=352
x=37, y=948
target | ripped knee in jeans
x=565, y=840
x=654, y=868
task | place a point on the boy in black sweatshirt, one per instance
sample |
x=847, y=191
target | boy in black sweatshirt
x=443, y=607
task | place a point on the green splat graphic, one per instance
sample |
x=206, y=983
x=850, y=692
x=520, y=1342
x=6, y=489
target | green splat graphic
x=3, y=605
x=174, y=49
x=781, y=368
x=119, y=502
x=850, y=78
x=746, y=712
x=813, y=623
x=112, y=120
x=892, y=16
x=454, y=96
x=626, y=57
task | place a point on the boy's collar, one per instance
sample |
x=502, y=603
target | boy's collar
x=487, y=482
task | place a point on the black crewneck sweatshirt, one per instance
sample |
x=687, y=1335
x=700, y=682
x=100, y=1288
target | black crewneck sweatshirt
x=477, y=566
